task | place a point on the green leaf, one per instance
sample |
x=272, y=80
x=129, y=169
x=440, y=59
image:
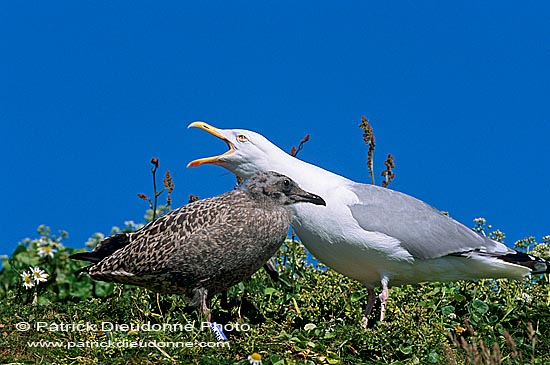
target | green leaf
x=270, y=291
x=42, y=300
x=474, y=319
x=447, y=310
x=480, y=306
x=459, y=298
x=276, y=360
x=433, y=357
x=405, y=349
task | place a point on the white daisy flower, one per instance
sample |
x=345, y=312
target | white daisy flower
x=27, y=280
x=44, y=251
x=38, y=274
x=255, y=359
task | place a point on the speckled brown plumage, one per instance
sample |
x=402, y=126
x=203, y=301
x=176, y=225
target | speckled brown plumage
x=204, y=247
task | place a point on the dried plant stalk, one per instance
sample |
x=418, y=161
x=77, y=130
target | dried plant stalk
x=294, y=151
x=388, y=172
x=368, y=137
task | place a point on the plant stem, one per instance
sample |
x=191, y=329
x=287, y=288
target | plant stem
x=155, y=199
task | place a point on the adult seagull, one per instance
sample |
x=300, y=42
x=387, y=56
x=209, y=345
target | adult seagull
x=374, y=235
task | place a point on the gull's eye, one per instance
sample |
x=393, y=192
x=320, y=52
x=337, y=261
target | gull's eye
x=286, y=184
x=242, y=138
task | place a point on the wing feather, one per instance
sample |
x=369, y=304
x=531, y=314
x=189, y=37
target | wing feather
x=422, y=230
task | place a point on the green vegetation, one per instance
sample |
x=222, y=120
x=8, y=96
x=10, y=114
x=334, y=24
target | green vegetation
x=312, y=315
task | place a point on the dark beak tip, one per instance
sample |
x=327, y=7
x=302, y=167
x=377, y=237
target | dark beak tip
x=317, y=200
x=311, y=198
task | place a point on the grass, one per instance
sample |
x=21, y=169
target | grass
x=311, y=315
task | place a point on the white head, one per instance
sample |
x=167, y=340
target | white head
x=249, y=152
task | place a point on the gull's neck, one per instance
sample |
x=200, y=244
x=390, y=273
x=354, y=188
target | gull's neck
x=308, y=176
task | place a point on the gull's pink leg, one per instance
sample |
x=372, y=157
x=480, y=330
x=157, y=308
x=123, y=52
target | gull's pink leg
x=383, y=298
x=204, y=307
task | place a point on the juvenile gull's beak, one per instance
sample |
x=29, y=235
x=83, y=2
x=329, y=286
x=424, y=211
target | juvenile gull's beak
x=306, y=197
x=216, y=132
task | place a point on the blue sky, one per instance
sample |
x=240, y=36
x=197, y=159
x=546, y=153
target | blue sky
x=458, y=92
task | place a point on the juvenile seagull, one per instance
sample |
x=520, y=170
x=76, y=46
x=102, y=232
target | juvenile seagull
x=204, y=247
x=374, y=235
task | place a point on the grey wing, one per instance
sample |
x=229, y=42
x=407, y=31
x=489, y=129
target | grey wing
x=422, y=230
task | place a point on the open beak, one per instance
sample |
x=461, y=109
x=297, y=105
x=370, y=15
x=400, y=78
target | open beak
x=216, y=132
